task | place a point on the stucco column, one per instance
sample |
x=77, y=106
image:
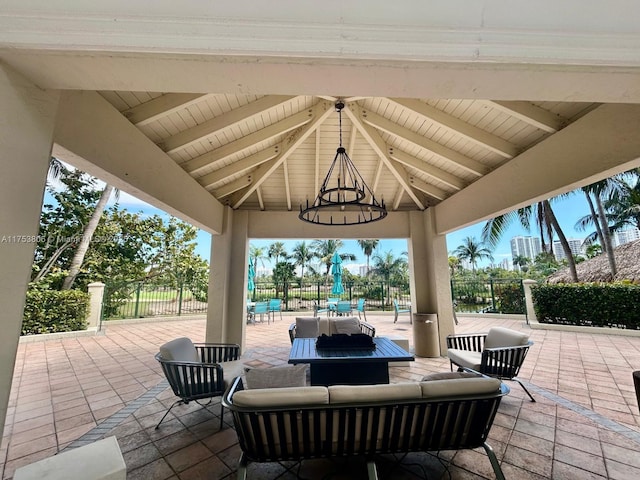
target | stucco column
x=226, y=314
x=96, y=294
x=528, y=300
x=429, y=272
x=26, y=130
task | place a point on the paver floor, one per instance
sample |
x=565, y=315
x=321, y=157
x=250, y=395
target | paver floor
x=584, y=425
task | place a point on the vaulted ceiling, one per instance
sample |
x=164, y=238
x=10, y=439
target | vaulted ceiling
x=272, y=152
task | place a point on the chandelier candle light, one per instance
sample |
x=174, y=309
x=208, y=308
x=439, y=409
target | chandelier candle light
x=343, y=193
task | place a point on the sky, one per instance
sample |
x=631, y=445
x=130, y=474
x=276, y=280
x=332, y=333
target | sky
x=568, y=210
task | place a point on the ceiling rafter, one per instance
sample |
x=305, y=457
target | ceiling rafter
x=233, y=187
x=531, y=114
x=427, y=169
x=237, y=146
x=161, y=106
x=459, y=127
x=319, y=112
x=214, y=125
x=377, y=143
x=398, y=197
x=287, y=189
x=246, y=163
x=316, y=179
x=427, y=188
x=447, y=154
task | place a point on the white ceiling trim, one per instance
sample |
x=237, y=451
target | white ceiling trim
x=159, y=107
x=531, y=114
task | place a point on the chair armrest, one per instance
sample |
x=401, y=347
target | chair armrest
x=368, y=329
x=193, y=379
x=218, y=352
x=292, y=332
x=473, y=342
x=504, y=361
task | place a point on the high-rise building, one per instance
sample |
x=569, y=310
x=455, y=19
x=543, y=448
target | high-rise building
x=528, y=247
x=575, y=245
x=625, y=236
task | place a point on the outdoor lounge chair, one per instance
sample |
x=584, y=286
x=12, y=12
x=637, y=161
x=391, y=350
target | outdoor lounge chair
x=398, y=309
x=196, y=371
x=318, y=309
x=275, y=305
x=499, y=353
x=260, y=308
x=343, y=307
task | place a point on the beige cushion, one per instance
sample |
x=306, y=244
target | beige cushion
x=276, y=377
x=374, y=393
x=449, y=376
x=180, y=350
x=465, y=358
x=278, y=397
x=307, y=327
x=232, y=369
x=505, y=337
x=459, y=386
x=349, y=325
x=325, y=327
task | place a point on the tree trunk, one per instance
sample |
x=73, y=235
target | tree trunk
x=606, y=233
x=596, y=222
x=87, y=235
x=563, y=240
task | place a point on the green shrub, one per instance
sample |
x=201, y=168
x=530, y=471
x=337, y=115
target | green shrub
x=510, y=299
x=50, y=311
x=588, y=304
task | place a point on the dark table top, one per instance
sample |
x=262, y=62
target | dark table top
x=304, y=350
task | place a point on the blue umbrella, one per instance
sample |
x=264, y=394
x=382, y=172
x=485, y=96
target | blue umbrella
x=251, y=286
x=336, y=269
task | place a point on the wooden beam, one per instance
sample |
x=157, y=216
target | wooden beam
x=161, y=106
x=430, y=190
x=232, y=187
x=459, y=127
x=531, y=114
x=210, y=179
x=429, y=170
x=226, y=120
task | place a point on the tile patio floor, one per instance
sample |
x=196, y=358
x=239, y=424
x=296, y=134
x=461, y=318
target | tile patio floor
x=584, y=425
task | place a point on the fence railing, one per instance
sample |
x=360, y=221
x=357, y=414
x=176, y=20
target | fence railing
x=488, y=296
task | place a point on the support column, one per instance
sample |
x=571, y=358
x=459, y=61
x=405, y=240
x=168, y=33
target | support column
x=429, y=273
x=226, y=313
x=528, y=300
x=96, y=294
x=26, y=132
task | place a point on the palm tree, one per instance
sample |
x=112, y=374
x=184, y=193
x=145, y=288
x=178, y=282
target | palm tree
x=368, y=246
x=454, y=265
x=257, y=254
x=521, y=262
x=324, y=250
x=472, y=250
x=547, y=224
x=387, y=266
x=302, y=254
x=277, y=250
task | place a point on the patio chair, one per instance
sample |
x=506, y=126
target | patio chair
x=260, y=308
x=360, y=308
x=498, y=353
x=275, y=305
x=332, y=302
x=196, y=371
x=401, y=309
x=318, y=309
x=343, y=307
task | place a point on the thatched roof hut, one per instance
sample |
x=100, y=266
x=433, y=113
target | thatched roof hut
x=597, y=269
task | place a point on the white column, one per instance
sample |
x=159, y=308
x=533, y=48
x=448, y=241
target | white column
x=528, y=300
x=26, y=130
x=226, y=313
x=429, y=272
x=96, y=294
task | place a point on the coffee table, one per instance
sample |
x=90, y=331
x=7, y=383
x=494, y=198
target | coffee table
x=345, y=366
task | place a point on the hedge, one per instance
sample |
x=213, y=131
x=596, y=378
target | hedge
x=50, y=311
x=588, y=304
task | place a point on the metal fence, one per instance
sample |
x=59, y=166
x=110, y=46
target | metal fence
x=488, y=295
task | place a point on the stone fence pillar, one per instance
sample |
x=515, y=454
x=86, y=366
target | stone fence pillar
x=528, y=300
x=96, y=292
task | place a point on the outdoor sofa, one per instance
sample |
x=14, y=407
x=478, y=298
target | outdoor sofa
x=296, y=423
x=312, y=327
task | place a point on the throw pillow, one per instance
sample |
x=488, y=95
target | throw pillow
x=307, y=327
x=180, y=350
x=504, y=337
x=276, y=377
x=347, y=325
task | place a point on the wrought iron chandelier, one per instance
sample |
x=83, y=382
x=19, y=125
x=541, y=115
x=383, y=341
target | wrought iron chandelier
x=343, y=194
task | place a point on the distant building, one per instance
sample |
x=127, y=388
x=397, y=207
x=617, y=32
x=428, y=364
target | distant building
x=625, y=236
x=506, y=264
x=362, y=270
x=528, y=247
x=575, y=245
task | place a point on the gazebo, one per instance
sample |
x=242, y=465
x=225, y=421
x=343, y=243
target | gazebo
x=223, y=114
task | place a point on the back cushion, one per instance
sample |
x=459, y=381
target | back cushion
x=276, y=377
x=307, y=327
x=347, y=325
x=505, y=337
x=180, y=350
x=374, y=393
x=280, y=397
x=459, y=386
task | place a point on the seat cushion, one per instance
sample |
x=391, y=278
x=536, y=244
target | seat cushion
x=465, y=358
x=180, y=350
x=276, y=377
x=449, y=376
x=459, y=386
x=374, y=393
x=307, y=327
x=279, y=397
x=349, y=325
x=505, y=337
